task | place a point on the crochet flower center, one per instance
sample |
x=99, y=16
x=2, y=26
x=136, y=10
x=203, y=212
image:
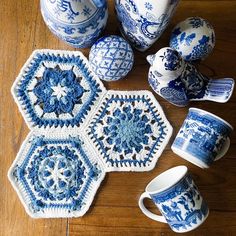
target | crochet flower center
x=58, y=91
x=127, y=130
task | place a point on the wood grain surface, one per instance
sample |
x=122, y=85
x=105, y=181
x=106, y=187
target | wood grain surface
x=115, y=210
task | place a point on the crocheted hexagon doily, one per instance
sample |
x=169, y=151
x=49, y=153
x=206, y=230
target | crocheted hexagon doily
x=56, y=88
x=129, y=130
x=56, y=174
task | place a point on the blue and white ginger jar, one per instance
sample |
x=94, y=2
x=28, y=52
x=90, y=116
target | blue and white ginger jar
x=143, y=22
x=77, y=22
x=193, y=38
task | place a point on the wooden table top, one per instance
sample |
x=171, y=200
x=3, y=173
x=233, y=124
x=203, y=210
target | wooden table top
x=115, y=208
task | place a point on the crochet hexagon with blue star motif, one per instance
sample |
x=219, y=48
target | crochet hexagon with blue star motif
x=56, y=88
x=129, y=130
x=56, y=174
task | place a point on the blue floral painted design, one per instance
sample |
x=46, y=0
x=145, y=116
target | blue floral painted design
x=179, y=205
x=196, y=22
x=58, y=91
x=78, y=23
x=202, y=136
x=128, y=22
x=148, y=6
x=202, y=49
x=193, y=38
x=127, y=130
x=179, y=38
x=173, y=60
x=143, y=25
x=195, y=83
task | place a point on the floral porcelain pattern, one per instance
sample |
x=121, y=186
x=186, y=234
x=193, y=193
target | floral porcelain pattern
x=179, y=82
x=193, y=38
x=129, y=130
x=56, y=88
x=111, y=58
x=202, y=136
x=79, y=23
x=143, y=22
x=179, y=205
x=56, y=175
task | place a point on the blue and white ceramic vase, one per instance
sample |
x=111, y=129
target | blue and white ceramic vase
x=77, y=22
x=143, y=22
x=164, y=76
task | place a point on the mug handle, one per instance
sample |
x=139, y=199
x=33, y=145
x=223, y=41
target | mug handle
x=223, y=150
x=147, y=212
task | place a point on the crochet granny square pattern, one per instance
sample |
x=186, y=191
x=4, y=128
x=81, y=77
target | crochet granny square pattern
x=56, y=88
x=56, y=174
x=129, y=130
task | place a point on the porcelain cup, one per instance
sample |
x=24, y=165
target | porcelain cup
x=203, y=138
x=178, y=199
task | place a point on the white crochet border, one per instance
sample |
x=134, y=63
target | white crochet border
x=25, y=69
x=169, y=130
x=55, y=212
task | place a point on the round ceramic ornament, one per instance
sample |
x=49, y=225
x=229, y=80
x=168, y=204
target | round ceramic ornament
x=111, y=58
x=193, y=38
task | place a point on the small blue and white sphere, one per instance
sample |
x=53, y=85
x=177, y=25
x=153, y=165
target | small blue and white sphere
x=193, y=38
x=111, y=58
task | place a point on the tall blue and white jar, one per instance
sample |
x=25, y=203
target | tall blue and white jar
x=77, y=22
x=143, y=22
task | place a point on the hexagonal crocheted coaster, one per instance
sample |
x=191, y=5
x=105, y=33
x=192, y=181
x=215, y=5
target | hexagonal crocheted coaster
x=56, y=174
x=129, y=130
x=56, y=88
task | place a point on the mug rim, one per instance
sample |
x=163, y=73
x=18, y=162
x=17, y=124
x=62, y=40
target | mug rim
x=167, y=172
x=215, y=116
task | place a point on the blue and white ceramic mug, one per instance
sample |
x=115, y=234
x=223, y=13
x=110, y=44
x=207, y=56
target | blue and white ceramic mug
x=178, y=199
x=203, y=138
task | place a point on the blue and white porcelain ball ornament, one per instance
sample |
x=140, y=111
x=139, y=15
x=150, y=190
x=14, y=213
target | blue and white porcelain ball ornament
x=111, y=58
x=193, y=38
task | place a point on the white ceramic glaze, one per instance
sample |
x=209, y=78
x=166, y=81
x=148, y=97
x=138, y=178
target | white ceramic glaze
x=143, y=22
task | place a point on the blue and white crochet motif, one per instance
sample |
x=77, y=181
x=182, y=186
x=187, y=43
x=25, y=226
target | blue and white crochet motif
x=56, y=177
x=129, y=130
x=56, y=88
x=79, y=132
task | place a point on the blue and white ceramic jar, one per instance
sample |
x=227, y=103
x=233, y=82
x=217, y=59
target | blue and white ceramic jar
x=193, y=38
x=77, y=22
x=143, y=22
x=111, y=58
